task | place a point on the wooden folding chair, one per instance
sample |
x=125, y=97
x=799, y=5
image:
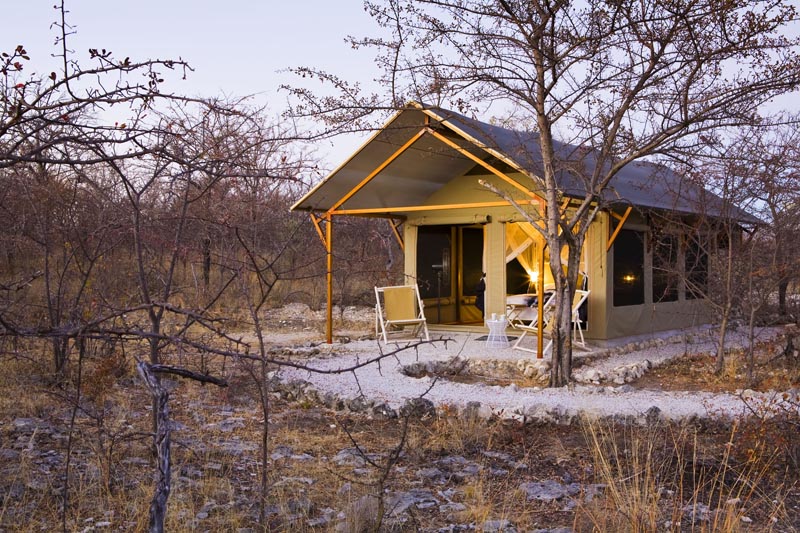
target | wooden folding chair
x=577, y=301
x=398, y=307
x=533, y=327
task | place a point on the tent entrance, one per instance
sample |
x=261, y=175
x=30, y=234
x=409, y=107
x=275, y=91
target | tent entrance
x=449, y=266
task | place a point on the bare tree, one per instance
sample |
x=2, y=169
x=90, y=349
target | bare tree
x=42, y=115
x=622, y=81
x=773, y=156
x=89, y=196
x=749, y=263
x=711, y=245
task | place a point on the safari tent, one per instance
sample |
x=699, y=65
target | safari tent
x=423, y=171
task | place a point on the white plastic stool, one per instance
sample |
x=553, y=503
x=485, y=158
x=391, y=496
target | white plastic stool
x=497, y=332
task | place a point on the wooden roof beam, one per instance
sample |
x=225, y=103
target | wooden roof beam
x=618, y=228
x=316, y=221
x=377, y=170
x=411, y=208
x=395, y=224
x=487, y=166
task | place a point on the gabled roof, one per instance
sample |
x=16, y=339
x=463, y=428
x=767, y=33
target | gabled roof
x=428, y=165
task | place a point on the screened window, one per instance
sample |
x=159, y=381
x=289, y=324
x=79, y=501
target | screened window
x=696, y=268
x=666, y=273
x=629, y=268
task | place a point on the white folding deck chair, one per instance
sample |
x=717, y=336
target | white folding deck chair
x=533, y=327
x=577, y=301
x=398, y=307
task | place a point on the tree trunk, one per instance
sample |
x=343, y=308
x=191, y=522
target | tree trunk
x=161, y=441
x=60, y=355
x=206, y=261
x=783, y=287
x=723, y=331
x=561, y=356
x=751, y=363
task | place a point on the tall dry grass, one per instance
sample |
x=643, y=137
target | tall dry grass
x=662, y=478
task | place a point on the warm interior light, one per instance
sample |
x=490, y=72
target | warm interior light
x=534, y=276
x=628, y=278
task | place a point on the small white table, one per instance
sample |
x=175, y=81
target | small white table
x=497, y=333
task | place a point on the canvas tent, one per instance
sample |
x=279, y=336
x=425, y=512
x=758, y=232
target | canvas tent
x=422, y=172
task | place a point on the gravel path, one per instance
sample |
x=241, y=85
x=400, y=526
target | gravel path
x=385, y=382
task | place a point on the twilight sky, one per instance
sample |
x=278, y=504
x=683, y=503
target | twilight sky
x=237, y=47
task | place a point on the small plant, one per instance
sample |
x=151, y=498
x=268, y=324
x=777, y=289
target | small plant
x=775, y=420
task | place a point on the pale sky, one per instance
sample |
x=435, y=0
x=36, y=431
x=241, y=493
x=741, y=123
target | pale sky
x=237, y=47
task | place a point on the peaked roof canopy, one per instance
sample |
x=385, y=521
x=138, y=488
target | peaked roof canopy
x=404, y=163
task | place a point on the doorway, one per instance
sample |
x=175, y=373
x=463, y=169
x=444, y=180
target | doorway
x=449, y=266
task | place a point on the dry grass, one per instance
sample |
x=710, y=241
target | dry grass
x=449, y=433
x=652, y=474
x=661, y=478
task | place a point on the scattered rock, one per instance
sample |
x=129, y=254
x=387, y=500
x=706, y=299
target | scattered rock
x=227, y=425
x=325, y=519
x=549, y=490
x=360, y=515
x=235, y=447
x=430, y=473
x=384, y=412
x=354, y=457
x=301, y=506
x=418, y=408
x=505, y=458
x=398, y=502
x=286, y=452
x=359, y=404
x=697, y=512
x=452, y=507
x=293, y=480
x=653, y=416
x=492, y=526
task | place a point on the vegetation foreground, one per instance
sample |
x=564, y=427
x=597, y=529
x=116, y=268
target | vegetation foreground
x=342, y=471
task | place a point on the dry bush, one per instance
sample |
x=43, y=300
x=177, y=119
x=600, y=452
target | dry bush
x=452, y=433
x=775, y=420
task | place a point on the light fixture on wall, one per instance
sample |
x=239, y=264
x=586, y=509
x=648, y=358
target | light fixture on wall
x=533, y=278
x=629, y=278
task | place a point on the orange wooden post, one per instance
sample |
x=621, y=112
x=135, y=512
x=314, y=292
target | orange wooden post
x=329, y=252
x=540, y=305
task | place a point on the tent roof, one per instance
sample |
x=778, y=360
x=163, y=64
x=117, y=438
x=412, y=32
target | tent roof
x=428, y=165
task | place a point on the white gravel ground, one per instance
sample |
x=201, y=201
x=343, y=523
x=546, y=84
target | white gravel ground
x=385, y=383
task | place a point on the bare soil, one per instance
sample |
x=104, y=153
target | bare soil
x=697, y=373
